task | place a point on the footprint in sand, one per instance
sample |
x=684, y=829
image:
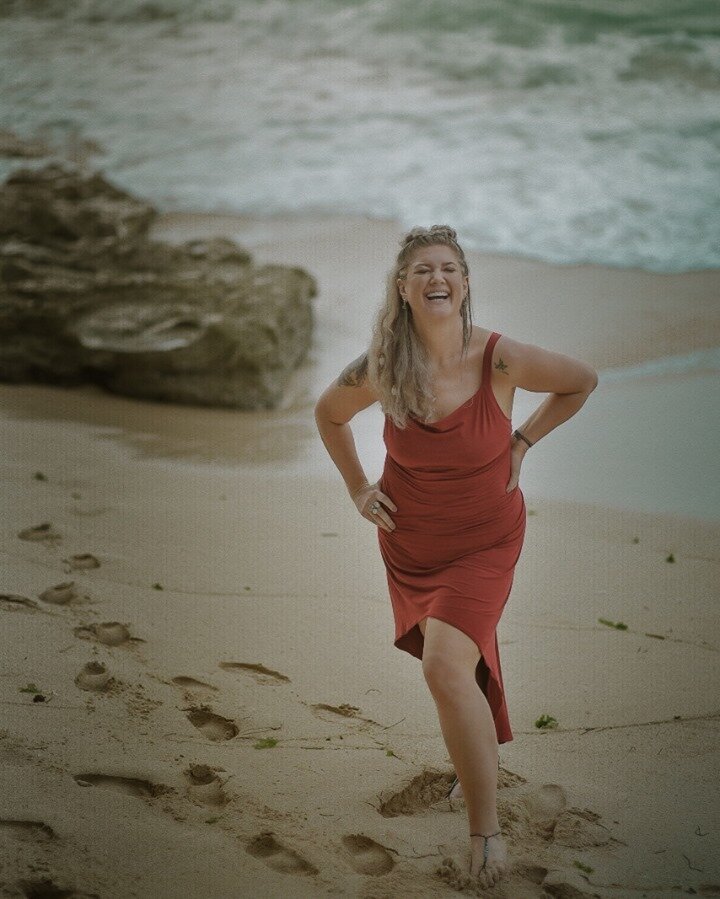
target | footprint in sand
x=264, y=846
x=327, y=712
x=505, y=779
x=32, y=831
x=366, y=856
x=13, y=602
x=204, y=786
x=93, y=676
x=259, y=673
x=83, y=561
x=213, y=726
x=530, y=817
x=60, y=594
x=40, y=532
x=546, y=801
x=110, y=633
x=130, y=786
x=561, y=889
x=345, y=710
x=193, y=685
x=539, y=810
x=424, y=790
x=579, y=829
x=45, y=888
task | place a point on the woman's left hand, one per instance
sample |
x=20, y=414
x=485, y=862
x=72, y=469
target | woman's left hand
x=518, y=448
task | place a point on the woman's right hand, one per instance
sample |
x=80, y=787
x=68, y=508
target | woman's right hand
x=370, y=496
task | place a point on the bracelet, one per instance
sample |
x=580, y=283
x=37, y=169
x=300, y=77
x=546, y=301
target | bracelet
x=520, y=436
x=361, y=487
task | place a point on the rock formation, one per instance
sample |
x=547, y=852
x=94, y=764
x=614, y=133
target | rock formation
x=86, y=296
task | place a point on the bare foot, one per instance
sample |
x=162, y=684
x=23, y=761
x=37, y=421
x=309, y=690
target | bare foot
x=488, y=873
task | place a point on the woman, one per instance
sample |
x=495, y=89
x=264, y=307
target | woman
x=449, y=512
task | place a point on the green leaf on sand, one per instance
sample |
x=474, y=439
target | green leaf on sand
x=618, y=625
x=546, y=721
x=265, y=743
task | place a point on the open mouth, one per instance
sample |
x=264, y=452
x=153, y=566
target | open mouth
x=437, y=296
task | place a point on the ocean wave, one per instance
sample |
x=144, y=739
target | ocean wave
x=520, y=23
x=571, y=131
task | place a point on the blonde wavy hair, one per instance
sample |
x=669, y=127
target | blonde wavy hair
x=397, y=362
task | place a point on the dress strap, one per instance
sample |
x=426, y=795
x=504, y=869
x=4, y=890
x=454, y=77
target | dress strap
x=487, y=358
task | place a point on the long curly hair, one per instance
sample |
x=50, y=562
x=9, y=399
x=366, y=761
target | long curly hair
x=398, y=364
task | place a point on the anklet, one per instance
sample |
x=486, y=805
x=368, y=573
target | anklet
x=486, y=837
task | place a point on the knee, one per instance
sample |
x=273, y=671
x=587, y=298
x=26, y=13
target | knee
x=446, y=676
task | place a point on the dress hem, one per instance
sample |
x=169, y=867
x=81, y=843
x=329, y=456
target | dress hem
x=412, y=642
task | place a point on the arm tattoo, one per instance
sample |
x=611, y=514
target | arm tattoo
x=500, y=366
x=354, y=374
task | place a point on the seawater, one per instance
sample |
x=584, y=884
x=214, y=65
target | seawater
x=569, y=131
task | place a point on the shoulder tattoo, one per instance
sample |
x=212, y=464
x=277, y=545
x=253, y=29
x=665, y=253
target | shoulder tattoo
x=501, y=366
x=354, y=374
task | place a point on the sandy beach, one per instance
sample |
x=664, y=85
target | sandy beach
x=259, y=735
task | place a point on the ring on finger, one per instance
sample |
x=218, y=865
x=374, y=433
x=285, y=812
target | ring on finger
x=375, y=507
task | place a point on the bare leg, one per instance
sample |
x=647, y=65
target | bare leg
x=456, y=789
x=449, y=661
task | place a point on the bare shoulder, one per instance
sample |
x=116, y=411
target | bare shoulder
x=506, y=352
x=538, y=369
x=499, y=352
x=355, y=373
x=348, y=394
x=478, y=342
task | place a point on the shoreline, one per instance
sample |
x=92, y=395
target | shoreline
x=584, y=297
x=628, y=448
x=283, y=444
x=277, y=224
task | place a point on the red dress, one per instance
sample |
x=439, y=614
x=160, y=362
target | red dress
x=458, y=533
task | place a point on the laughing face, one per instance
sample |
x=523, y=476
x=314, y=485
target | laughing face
x=434, y=284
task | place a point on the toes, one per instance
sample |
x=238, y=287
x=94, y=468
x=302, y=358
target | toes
x=481, y=877
x=489, y=876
